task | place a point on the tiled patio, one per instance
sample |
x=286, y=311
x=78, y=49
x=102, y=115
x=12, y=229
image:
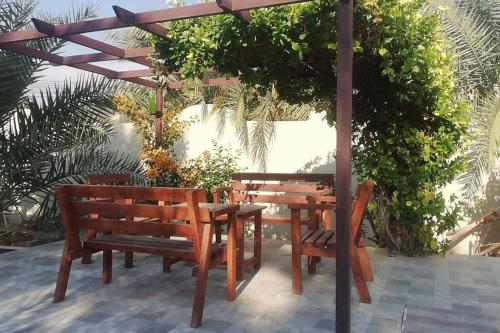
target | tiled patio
x=456, y=294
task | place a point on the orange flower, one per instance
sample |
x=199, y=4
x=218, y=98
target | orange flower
x=152, y=173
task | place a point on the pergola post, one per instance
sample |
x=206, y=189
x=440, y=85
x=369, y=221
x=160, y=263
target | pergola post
x=158, y=115
x=343, y=173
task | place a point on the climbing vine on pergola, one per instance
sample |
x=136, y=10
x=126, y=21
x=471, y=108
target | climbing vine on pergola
x=408, y=121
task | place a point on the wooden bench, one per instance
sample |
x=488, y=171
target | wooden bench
x=117, y=179
x=278, y=188
x=78, y=212
x=322, y=242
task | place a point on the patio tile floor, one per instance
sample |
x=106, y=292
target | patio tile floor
x=454, y=294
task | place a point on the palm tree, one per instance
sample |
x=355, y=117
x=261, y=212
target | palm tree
x=56, y=135
x=472, y=28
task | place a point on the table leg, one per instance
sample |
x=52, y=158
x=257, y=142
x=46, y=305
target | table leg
x=240, y=248
x=257, y=240
x=231, y=257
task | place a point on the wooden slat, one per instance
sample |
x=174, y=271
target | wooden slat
x=280, y=219
x=128, y=192
x=311, y=206
x=80, y=208
x=150, y=241
x=489, y=248
x=307, y=235
x=331, y=243
x=125, y=227
x=305, y=177
x=323, y=240
x=143, y=248
x=276, y=199
x=314, y=237
x=300, y=188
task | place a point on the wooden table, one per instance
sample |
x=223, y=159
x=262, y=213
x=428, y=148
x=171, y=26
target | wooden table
x=242, y=215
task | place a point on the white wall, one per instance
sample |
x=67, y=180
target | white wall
x=306, y=145
x=296, y=143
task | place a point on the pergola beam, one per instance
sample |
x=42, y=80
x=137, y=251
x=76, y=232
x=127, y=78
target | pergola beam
x=51, y=30
x=134, y=73
x=140, y=53
x=130, y=18
x=156, y=16
x=33, y=53
x=227, y=5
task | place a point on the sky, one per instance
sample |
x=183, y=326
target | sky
x=59, y=73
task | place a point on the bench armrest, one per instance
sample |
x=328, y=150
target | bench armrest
x=223, y=209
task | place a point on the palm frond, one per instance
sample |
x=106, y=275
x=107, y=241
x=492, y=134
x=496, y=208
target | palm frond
x=129, y=38
x=483, y=155
x=71, y=167
x=63, y=119
x=475, y=41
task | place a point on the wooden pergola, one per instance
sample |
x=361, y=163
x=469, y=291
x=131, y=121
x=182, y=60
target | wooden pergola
x=149, y=21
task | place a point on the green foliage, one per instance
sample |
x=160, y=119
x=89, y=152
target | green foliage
x=54, y=136
x=210, y=170
x=408, y=122
x=472, y=28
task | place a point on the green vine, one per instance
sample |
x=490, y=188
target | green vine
x=408, y=121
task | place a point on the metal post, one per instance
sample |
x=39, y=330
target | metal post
x=343, y=174
x=159, y=114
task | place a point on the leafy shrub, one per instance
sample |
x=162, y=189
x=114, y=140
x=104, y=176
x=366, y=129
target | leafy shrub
x=210, y=170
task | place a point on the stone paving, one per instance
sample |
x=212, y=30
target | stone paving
x=455, y=294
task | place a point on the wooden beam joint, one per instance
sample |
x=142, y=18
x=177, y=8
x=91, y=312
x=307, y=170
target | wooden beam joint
x=227, y=6
x=130, y=18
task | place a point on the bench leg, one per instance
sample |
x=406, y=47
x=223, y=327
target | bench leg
x=364, y=293
x=87, y=258
x=257, y=240
x=296, y=253
x=365, y=264
x=311, y=264
x=202, y=279
x=240, y=248
x=166, y=264
x=107, y=266
x=62, y=280
x=231, y=258
x=129, y=259
x=218, y=233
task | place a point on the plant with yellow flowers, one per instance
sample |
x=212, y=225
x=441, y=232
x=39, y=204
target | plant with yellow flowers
x=159, y=158
x=162, y=167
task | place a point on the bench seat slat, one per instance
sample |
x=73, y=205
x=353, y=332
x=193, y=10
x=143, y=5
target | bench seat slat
x=162, y=246
x=125, y=227
x=307, y=235
x=314, y=237
x=325, y=238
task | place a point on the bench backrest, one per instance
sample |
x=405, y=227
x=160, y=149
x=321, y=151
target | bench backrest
x=109, y=179
x=78, y=212
x=360, y=203
x=279, y=188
